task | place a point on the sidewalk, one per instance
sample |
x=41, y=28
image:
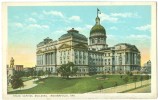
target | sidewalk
x=121, y=88
x=146, y=89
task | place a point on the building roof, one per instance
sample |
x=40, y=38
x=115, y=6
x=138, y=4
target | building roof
x=74, y=34
x=45, y=41
x=97, y=28
x=128, y=46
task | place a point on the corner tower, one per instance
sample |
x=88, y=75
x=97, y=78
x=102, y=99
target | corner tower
x=97, y=37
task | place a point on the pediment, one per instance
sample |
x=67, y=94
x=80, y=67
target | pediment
x=39, y=51
x=63, y=46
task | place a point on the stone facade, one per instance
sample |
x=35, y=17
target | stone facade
x=94, y=58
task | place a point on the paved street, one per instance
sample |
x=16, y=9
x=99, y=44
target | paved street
x=122, y=88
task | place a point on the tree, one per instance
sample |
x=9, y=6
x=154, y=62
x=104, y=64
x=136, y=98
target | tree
x=115, y=84
x=146, y=77
x=48, y=72
x=30, y=72
x=34, y=73
x=16, y=81
x=126, y=79
x=100, y=87
x=129, y=73
x=40, y=73
x=67, y=70
x=141, y=79
x=27, y=74
x=135, y=79
x=19, y=73
x=120, y=73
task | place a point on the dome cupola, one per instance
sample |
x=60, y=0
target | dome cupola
x=97, y=28
x=72, y=33
x=97, y=35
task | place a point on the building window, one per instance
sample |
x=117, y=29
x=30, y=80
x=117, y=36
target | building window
x=76, y=56
x=92, y=40
x=98, y=40
x=120, y=60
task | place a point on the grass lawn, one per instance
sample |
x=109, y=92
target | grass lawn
x=78, y=85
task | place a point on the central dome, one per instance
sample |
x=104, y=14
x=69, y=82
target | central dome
x=97, y=29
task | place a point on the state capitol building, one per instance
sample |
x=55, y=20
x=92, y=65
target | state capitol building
x=93, y=58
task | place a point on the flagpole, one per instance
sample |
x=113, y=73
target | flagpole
x=97, y=12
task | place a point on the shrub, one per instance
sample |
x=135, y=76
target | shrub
x=100, y=87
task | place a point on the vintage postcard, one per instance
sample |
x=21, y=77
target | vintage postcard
x=79, y=50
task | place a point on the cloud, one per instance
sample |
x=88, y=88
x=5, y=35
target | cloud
x=88, y=26
x=105, y=17
x=38, y=26
x=144, y=28
x=138, y=37
x=113, y=28
x=109, y=36
x=20, y=25
x=75, y=18
x=124, y=15
x=32, y=20
x=54, y=13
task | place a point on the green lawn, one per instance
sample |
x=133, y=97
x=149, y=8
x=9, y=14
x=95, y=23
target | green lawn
x=80, y=85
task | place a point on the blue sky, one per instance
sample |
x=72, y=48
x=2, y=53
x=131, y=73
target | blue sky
x=27, y=26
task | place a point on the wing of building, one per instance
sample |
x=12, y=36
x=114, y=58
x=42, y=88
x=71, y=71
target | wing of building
x=94, y=58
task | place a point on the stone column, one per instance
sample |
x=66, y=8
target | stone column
x=46, y=59
x=49, y=59
x=43, y=59
x=40, y=59
x=52, y=58
x=133, y=58
x=130, y=58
